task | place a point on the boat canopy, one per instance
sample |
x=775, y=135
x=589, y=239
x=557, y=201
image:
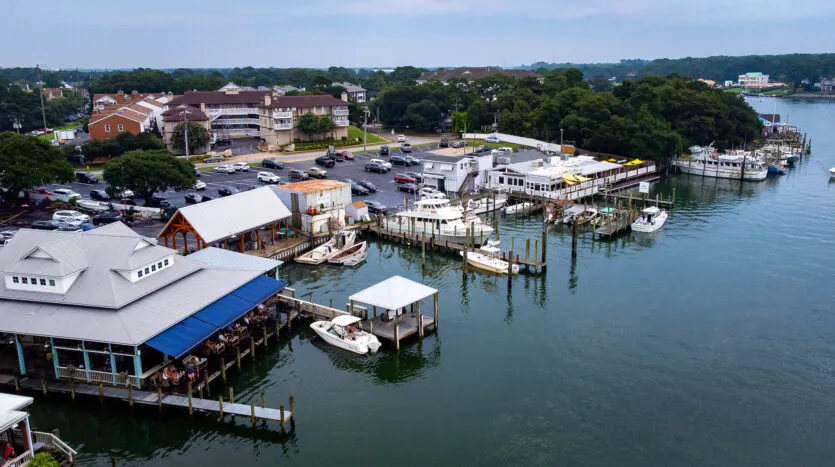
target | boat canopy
x=651, y=210
x=607, y=210
x=345, y=320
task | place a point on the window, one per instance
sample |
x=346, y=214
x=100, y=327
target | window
x=107, y=128
x=153, y=267
x=23, y=280
x=121, y=128
x=501, y=180
x=52, y=282
x=147, y=270
x=166, y=262
x=34, y=281
x=43, y=281
x=15, y=279
x=159, y=265
x=140, y=273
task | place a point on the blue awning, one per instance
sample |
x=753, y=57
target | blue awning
x=232, y=307
x=182, y=337
x=188, y=333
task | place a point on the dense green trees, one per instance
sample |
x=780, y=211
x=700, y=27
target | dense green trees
x=198, y=137
x=27, y=162
x=649, y=118
x=146, y=172
x=312, y=124
x=122, y=143
x=25, y=108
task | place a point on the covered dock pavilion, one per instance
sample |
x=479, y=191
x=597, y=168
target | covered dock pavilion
x=235, y=220
x=399, y=299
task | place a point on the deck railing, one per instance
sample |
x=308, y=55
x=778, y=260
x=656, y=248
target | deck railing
x=103, y=377
x=54, y=442
x=20, y=460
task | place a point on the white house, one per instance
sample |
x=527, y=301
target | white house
x=356, y=93
x=455, y=174
x=753, y=79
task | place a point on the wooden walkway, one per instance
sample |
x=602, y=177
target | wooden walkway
x=407, y=325
x=131, y=396
x=622, y=222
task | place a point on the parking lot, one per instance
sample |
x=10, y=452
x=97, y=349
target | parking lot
x=387, y=190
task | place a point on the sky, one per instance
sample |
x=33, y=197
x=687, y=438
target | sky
x=387, y=33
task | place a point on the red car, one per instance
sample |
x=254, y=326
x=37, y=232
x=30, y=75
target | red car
x=402, y=178
x=42, y=191
x=348, y=155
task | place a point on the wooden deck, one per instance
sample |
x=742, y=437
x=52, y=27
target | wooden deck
x=407, y=325
x=622, y=222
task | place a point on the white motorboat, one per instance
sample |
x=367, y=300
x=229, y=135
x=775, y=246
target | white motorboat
x=585, y=216
x=327, y=250
x=738, y=165
x=485, y=205
x=345, y=332
x=488, y=258
x=832, y=173
x=519, y=208
x=651, y=220
x=436, y=217
x=346, y=255
x=568, y=214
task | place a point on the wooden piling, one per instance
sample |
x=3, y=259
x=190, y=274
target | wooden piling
x=423, y=247
x=527, y=248
x=281, y=410
x=101, y=394
x=510, y=270
x=231, y=396
x=159, y=399
x=573, y=241
x=238, y=355
x=206, y=383
x=130, y=396
x=252, y=413
x=190, y=408
x=252, y=347
x=536, y=248
x=43, y=384
x=544, y=246
x=220, y=406
x=16, y=384
x=72, y=388
x=264, y=328
x=263, y=400
x=223, y=369
x=114, y=462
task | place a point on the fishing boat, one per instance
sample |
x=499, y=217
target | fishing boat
x=345, y=332
x=357, y=250
x=325, y=251
x=519, y=208
x=707, y=162
x=651, y=220
x=487, y=258
x=436, y=217
x=586, y=216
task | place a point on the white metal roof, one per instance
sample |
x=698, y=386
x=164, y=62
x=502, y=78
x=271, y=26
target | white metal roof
x=393, y=293
x=231, y=215
x=225, y=259
x=345, y=320
x=10, y=402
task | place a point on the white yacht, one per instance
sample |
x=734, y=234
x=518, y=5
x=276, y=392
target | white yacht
x=707, y=162
x=437, y=217
x=345, y=332
x=488, y=258
x=651, y=220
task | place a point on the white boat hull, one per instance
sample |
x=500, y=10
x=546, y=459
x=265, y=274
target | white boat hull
x=489, y=263
x=361, y=344
x=651, y=226
x=318, y=255
x=716, y=171
x=519, y=208
x=832, y=173
x=361, y=250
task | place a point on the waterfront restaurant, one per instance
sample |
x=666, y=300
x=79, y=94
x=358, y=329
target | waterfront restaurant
x=564, y=177
x=109, y=306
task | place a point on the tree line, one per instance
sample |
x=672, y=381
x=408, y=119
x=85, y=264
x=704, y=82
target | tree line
x=17, y=105
x=652, y=117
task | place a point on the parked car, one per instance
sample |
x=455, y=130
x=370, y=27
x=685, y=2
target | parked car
x=70, y=217
x=6, y=236
x=413, y=160
x=194, y=198
x=357, y=189
x=401, y=138
x=384, y=150
x=405, y=147
x=444, y=143
x=99, y=195
x=267, y=177
x=408, y=187
x=127, y=202
x=225, y=169
x=417, y=176
x=368, y=185
x=213, y=158
x=431, y=193
x=197, y=172
x=86, y=177
x=376, y=167
x=157, y=200
x=227, y=191
x=375, y=207
x=316, y=172
x=41, y=191
x=403, y=178
x=296, y=174
x=272, y=164
x=459, y=144
x=348, y=155
x=240, y=167
x=484, y=148
x=398, y=160
x=199, y=185
x=107, y=217
x=385, y=164
x=223, y=141
x=336, y=156
x=492, y=139
x=63, y=194
x=45, y=225
x=325, y=161
x=125, y=194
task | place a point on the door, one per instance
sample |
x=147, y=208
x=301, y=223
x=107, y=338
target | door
x=441, y=186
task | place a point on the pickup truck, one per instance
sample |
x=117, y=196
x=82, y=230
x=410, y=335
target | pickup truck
x=213, y=158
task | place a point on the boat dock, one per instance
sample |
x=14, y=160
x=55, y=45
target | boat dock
x=620, y=221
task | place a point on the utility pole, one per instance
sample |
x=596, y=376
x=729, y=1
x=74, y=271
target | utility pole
x=561, y=139
x=365, y=129
x=40, y=91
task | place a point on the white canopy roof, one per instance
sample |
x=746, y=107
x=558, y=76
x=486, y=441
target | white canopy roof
x=393, y=293
x=345, y=320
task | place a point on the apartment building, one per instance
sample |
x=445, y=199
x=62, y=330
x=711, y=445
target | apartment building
x=103, y=101
x=110, y=123
x=355, y=93
x=232, y=112
x=753, y=80
x=280, y=115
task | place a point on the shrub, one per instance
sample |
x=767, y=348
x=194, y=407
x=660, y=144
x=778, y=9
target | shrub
x=44, y=459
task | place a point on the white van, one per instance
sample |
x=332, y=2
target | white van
x=63, y=194
x=382, y=162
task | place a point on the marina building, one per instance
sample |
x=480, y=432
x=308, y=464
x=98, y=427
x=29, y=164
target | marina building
x=317, y=207
x=457, y=174
x=109, y=306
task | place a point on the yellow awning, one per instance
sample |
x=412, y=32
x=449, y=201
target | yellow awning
x=569, y=179
x=581, y=178
x=635, y=162
x=612, y=160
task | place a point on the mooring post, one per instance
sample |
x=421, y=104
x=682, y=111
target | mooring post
x=206, y=383
x=238, y=355
x=159, y=399
x=573, y=241
x=535, y=249
x=252, y=347
x=130, y=396
x=200, y=391
x=281, y=416
x=231, y=396
x=114, y=462
x=252, y=413
x=223, y=369
x=72, y=388
x=190, y=409
x=527, y=247
x=43, y=384
x=544, y=247
x=220, y=406
x=16, y=383
x=674, y=197
x=510, y=270
x=263, y=400
x=423, y=248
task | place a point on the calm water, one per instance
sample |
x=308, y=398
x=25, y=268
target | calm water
x=711, y=343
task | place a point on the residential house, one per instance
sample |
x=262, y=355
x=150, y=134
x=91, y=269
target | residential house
x=179, y=114
x=444, y=75
x=109, y=123
x=826, y=84
x=52, y=93
x=355, y=93
x=709, y=82
x=753, y=80
x=282, y=90
x=112, y=307
x=281, y=114
x=103, y=101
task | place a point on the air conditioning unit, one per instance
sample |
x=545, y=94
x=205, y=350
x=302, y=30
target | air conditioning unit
x=538, y=163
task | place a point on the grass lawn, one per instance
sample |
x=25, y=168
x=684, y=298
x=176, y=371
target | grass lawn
x=354, y=132
x=481, y=142
x=734, y=90
x=68, y=126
